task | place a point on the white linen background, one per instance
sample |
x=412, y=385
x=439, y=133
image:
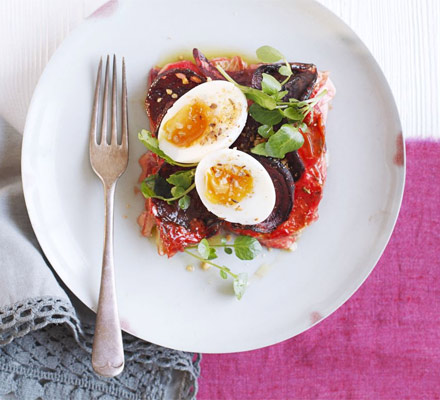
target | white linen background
x=403, y=35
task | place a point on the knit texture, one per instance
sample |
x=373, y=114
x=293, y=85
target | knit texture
x=46, y=351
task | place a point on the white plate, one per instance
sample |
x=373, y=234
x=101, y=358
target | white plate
x=159, y=300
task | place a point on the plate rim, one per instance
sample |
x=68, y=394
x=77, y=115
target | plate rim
x=42, y=240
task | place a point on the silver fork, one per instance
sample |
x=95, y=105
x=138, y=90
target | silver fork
x=109, y=161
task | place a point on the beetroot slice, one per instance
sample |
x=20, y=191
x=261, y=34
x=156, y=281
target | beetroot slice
x=300, y=85
x=284, y=189
x=295, y=165
x=166, y=89
x=249, y=138
x=196, y=211
x=205, y=66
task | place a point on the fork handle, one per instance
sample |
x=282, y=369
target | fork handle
x=108, y=351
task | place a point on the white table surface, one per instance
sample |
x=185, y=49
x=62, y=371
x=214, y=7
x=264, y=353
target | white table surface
x=403, y=35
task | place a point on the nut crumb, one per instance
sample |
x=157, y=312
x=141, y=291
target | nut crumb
x=169, y=91
x=183, y=78
x=159, y=99
x=195, y=79
x=190, y=268
x=205, y=266
x=208, y=79
x=174, y=96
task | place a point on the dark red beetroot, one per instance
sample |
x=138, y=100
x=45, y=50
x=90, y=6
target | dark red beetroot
x=205, y=66
x=235, y=67
x=284, y=188
x=300, y=84
x=196, y=210
x=308, y=191
x=250, y=138
x=166, y=89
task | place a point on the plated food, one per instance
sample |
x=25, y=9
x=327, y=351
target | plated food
x=236, y=147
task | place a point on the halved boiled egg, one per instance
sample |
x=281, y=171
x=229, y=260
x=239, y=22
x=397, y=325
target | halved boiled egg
x=235, y=186
x=208, y=117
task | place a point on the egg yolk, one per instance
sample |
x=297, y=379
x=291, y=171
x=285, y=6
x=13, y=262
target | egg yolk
x=189, y=124
x=228, y=184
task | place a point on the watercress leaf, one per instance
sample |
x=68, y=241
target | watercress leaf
x=302, y=126
x=293, y=113
x=240, y=284
x=183, y=179
x=155, y=186
x=265, y=131
x=228, y=250
x=184, y=202
x=279, y=96
x=147, y=187
x=261, y=98
x=177, y=191
x=152, y=144
x=269, y=84
x=204, y=249
x=161, y=187
x=268, y=54
x=260, y=149
x=285, y=70
x=247, y=247
x=264, y=116
x=212, y=253
x=223, y=274
x=285, y=140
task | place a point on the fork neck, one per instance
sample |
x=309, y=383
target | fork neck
x=109, y=195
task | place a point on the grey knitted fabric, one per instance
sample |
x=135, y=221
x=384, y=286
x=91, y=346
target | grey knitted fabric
x=45, y=353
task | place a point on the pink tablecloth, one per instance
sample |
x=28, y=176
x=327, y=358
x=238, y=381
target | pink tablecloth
x=384, y=343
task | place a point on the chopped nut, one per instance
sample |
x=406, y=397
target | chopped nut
x=190, y=268
x=159, y=99
x=182, y=77
x=205, y=266
x=208, y=79
x=169, y=91
x=174, y=96
x=195, y=79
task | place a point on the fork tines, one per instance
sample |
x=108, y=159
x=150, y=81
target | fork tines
x=102, y=138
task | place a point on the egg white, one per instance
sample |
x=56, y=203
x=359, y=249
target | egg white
x=255, y=207
x=220, y=93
